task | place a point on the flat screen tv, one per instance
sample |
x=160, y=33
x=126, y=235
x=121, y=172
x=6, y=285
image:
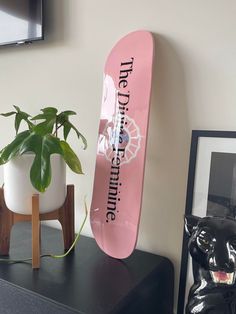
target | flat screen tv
x=21, y=21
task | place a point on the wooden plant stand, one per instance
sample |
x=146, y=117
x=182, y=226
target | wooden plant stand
x=65, y=215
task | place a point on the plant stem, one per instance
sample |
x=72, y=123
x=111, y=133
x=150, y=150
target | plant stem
x=57, y=128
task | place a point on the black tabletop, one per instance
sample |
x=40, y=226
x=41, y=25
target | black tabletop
x=88, y=281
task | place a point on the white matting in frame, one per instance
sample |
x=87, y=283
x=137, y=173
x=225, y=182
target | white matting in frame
x=207, y=146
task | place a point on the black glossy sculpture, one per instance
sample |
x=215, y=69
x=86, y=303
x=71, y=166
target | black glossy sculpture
x=212, y=245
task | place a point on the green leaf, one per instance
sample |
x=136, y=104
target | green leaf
x=19, y=116
x=18, y=120
x=48, y=114
x=63, y=119
x=40, y=116
x=66, y=130
x=17, y=108
x=46, y=127
x=68, y=113
x=44, y=117
x=71, y=158
x=64, y=116
x=49, y=110
x=79, y=135
x=22, y=116
x=14, y=148
x=43, y=147
x=8, y=114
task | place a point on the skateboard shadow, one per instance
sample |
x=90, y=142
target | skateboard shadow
x=167, y=155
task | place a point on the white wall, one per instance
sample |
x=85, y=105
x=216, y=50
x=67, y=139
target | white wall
x=194, y=88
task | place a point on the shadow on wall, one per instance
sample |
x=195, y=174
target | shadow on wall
x=54, y=15
x=58, y=21
x=167, y=157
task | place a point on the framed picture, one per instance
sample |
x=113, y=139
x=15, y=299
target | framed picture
x=211, y=189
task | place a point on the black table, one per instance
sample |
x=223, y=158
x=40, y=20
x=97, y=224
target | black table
x=87, y=281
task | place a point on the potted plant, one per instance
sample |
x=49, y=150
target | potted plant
x=34, y=162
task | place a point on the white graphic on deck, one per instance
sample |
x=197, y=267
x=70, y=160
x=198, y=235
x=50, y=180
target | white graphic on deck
x=118, y=132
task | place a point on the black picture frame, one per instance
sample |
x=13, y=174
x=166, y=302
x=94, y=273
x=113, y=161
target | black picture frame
x=220, y=145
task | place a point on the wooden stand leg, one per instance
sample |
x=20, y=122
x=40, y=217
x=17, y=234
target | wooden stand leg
x=35, y=232
x=6, y=223
x=65, y=215
x=66, y=218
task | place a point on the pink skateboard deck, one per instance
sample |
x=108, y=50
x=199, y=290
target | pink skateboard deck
x=119, y=173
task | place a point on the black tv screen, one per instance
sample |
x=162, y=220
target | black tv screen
x=21, y=21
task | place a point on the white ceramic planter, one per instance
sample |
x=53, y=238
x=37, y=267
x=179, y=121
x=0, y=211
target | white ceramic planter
x=18, y=189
